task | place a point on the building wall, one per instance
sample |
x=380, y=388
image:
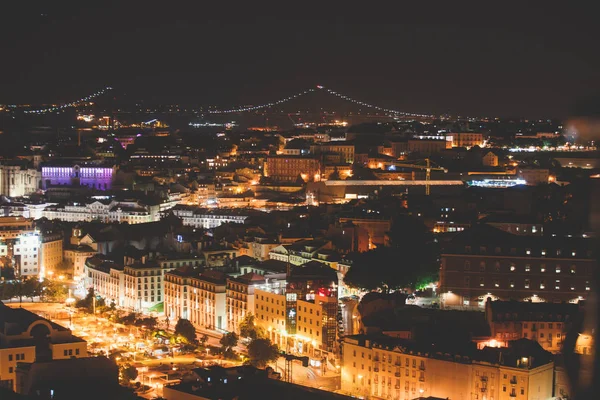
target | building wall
x=75, y=260
x=394, y=374
x=143, y=288
x=269, y=313
x=466, y=139
x=9, y=357
x=490, y=160
x=176, y=297
x=376, y=228
x=287, y=169
x=94, y=177
x=240, y=301
x=17, y=182
x=472, y=278
x=207, y=304
x=309, y=325
x=106, y=284
x=51, y=253
x=63, y=351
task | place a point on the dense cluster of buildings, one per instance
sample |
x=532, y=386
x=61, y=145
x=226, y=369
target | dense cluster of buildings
x=267, y=224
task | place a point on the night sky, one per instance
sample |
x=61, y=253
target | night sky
x=515, y=61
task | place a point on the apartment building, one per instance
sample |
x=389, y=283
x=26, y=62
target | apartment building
x=20, y=244
x=198, y=297
x=483, y=262
x=290, y=168
x=240, y=298
x=400, y=369
x=346, y=150
x=51, y=251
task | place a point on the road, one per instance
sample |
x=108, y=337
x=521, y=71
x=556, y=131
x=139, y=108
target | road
x=308, y=376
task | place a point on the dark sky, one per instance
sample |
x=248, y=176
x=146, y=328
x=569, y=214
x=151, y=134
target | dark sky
x=480, y=60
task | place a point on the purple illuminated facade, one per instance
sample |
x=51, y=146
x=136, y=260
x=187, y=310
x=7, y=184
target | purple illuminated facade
x=95, y=177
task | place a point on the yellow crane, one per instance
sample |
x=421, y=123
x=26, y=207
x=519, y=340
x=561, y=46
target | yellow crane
x=427, y=167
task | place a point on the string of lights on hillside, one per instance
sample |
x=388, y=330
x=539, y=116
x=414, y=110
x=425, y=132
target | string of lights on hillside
x=328, y=91
x=242, y=108
x=266, y=105
x=71, y=104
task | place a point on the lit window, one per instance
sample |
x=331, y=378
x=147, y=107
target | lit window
x=558, y=269
x=496, y=283
x=573, y=269
x=557, y=284
x=587, y=285
x=542, y=285
x=512, y=284
x=573, y=254
x=543, y=252
x=512, y=266
x=543, y=268
x=527, y=283
x=481, y=282
x=527, y=268
x=528, y=251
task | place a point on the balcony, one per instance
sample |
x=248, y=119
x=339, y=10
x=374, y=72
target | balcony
x=422, y=367
x=375, y=358
x=397, y=386
x=397, y=374
x=484, y=379
x=513, y=394
x=421, y=379
x=513, y=381
x=376, y=369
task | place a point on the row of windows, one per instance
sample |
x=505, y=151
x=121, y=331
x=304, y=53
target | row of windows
x=527, y=284
x=70, y=352
x=528, y=251
x=18, y=357
x=527, y=268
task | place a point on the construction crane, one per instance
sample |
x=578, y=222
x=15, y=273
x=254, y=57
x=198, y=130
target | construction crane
x=427, y=167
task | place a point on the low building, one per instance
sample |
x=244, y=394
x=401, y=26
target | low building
x=466, y=139
x=427, y=145
x=534, y=176
x=546, y=323
x=26, y=337
x=384, y=367
x=207, y=219
x=132, y=212
x=290, y=168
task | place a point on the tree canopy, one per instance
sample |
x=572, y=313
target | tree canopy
x=261, y=352
x=186, y=330
x=410, y=261
x=249, y=329
x=229, y=340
